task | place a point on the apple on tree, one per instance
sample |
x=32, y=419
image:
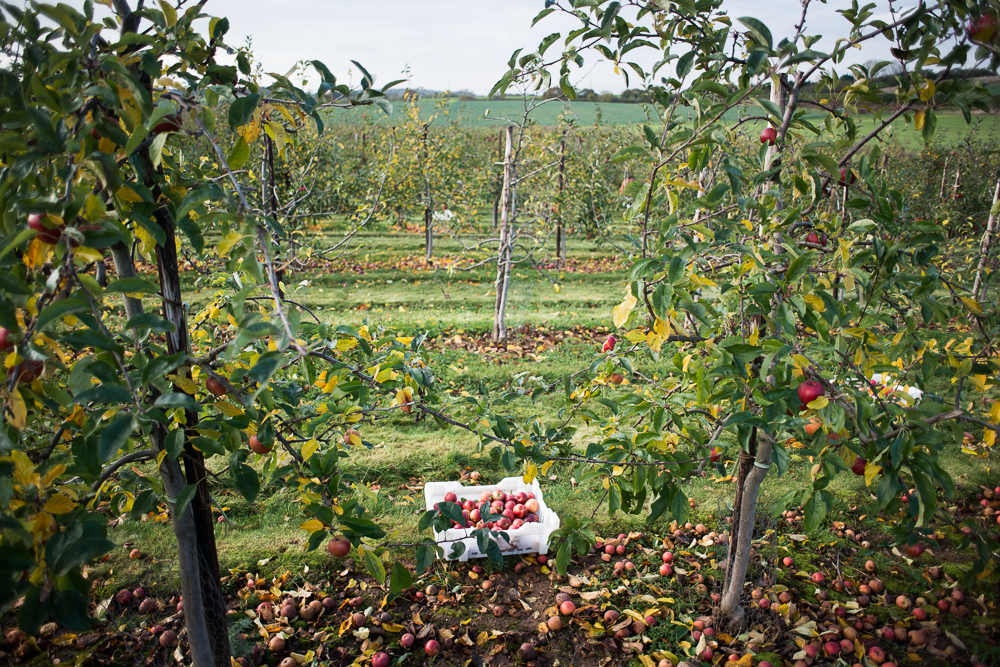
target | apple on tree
x=609, y=344
x=982, y=29
x=216, y=387
x=768, y=136
x=48, y=231
x=339, y=546
x=809, y=391
x=258, y=447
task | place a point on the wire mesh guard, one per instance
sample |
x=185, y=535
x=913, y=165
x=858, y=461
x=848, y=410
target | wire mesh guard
x=761, y=574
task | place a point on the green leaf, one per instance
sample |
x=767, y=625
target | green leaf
x=184, y=499
x=241, y=110
x=684, y=64
x=758, y=31
x=114, y=436
x=798, y=267
x=137, y=137
x=400, y=580
x=563, y=557
x=239, y=155
x=246, y=481
x=374, y=565
x=814, y=510
x=133, y=286
x=178, y=400
x=426, y=553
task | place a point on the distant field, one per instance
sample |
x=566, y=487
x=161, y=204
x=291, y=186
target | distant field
x=951, y=127
x=474, y=112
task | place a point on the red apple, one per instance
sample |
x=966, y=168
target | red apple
x=844, y=177
x=432, y=647
x=124, y=597
x=407, y=641
x=668, y=557
x=531, y=505
x=716, y=455
x=257, y=446
x=817, y=578
x=171, y=123
x=982, y=29
x=339, y=546
x=168, y=639
x=768, y=136
x=48, y=232
x=380, y=659
x=809, y=391
x=216, y=387
x=666, y=570
x=6, y=342
x=914, y=550
x=609, y=344
x=859, y=466
x=788, y=561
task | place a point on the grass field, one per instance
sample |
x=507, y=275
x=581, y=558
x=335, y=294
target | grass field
x=567, y=329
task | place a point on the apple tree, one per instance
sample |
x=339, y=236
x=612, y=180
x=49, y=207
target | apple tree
x=106, y=362
x=757, y=310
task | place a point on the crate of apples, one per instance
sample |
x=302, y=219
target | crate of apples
x=511, y=506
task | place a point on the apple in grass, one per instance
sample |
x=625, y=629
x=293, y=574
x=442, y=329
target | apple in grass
x=768, y=136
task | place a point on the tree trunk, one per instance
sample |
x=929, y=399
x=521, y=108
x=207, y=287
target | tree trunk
x=125, y=268
x=204, y=578
x=740, y=543
x=560, y=232
x=428, y=203
x=746, y=460
x=204, y=609
x=499, y=191
x=270, y=200
x=979, y=287
x=504, y=253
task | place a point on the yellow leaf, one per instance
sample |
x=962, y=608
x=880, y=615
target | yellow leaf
x=646, y=661
x=229, y=409
x=309, y=449
x=621, y=312
x=312, y=525
x=819, y=403
x=926, y=90
x=228, y=243
x=15, y=411
x=871, y=470
x=800, y=361
x=356, y=440
x=530, y=474
x=59, y=504
x=815, y=302
x=635, y=336
x=546, y=466
x=52, y=474
x=654, y=342
x=989, y=437
x=345, y=344
x=972, y=305
x=918, y=120
x=617, y=470
x=556, y=287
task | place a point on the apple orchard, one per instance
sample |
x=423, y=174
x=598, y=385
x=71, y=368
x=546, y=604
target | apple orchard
x=774, y=446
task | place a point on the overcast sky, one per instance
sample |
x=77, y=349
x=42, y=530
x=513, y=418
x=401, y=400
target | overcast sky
x=463, y=44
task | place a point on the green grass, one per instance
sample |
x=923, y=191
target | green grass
x=264, y=537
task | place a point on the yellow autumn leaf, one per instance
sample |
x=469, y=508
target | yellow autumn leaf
x=815, y=302
x=530, y=474
x=819, y=403
x=918, y=120
x=229, y=409
x=621, y=312
x=309, y=449
x=654, y=342
x=926, y=90
x=312, y=525
x=59, y=504
x=345, y=344
x=871, y=470
x=15, y=411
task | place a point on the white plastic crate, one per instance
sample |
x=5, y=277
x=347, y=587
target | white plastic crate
x=530, y=538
